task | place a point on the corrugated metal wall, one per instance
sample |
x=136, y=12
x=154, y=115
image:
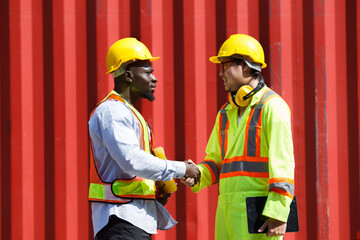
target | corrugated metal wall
x=53, y=72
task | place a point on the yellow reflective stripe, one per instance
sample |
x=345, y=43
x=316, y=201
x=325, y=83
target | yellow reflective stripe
x=142, y=121
x=144, y=125
x=140, y=188
x=96, y=191
x=112, y=92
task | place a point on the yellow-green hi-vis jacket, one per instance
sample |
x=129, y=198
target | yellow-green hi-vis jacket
x=253, y=157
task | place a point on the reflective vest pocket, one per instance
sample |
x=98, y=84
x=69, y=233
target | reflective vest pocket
x=96, y=191
x=135, y=188
x=102, y=193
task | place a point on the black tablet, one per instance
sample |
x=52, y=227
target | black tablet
x=254, y=208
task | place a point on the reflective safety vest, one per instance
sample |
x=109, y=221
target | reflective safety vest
x=121, y=190
x=251, y=164
x=250, y=157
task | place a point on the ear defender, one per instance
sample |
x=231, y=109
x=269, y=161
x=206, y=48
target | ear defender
x=236, y=99
x=242, y=97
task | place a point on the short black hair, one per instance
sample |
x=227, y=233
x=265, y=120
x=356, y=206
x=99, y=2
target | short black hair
x=254, y=72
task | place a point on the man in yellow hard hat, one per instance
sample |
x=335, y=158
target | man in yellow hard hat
x=122, y=169
x=250, y=150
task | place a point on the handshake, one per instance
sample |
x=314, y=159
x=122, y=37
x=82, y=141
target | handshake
x=192, y=174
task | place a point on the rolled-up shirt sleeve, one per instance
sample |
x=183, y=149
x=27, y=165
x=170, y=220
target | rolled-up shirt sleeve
x=114, y=125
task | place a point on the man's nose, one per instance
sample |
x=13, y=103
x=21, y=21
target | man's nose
x=221, y=73
x=154, y=79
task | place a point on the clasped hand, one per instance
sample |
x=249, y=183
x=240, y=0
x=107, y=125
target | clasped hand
x=275, y=227
x=192, y=175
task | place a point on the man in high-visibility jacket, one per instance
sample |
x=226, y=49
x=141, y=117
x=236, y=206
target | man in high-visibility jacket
x=250, y=150
x=122, y=168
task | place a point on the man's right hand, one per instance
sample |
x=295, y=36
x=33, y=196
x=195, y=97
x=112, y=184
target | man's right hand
x=192, y=171
x=275, y=227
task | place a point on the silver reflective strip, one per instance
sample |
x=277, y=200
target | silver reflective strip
x=288, y=187
x=224, y=121
x=260, y=167
x=251, y=144
x=251, y=141
x=109, y=195
x=263, y=98
x=105, y=193
x=258, y=106
x=267, y=94
x=255, y=117
x=214, y=168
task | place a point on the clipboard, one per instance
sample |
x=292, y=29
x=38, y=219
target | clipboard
x=254, y=208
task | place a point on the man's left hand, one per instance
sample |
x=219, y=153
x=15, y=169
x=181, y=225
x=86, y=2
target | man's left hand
x=275, y=227
x=163, y=198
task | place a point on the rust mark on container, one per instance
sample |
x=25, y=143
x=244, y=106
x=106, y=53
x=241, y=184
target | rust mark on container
x=274, y=8
x=100, y=8
x=148, y=12
x=321, y=135
x=319, y=6
x=275, y=67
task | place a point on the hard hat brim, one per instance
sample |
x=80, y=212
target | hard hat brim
x=133, y=60
x=153, y=59
x=214, y=59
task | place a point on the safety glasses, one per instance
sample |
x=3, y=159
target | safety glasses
x=223, y=63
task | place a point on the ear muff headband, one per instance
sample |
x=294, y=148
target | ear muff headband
x=243, y=96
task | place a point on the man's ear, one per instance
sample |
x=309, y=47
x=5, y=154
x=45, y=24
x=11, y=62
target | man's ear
x=129, y=76
x=246, y=67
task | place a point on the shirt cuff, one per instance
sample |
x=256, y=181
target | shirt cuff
x=180, y=169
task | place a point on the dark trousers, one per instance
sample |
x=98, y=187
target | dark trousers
x=118, y=229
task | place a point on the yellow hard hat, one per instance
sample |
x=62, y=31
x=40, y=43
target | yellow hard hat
x=125, y=50
x=243, y=46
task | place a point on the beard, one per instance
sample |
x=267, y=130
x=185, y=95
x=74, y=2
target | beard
x=149, y=96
